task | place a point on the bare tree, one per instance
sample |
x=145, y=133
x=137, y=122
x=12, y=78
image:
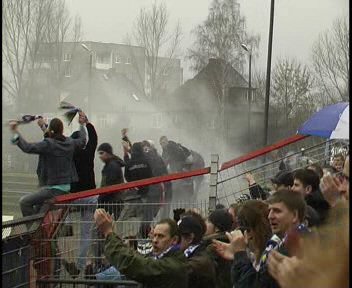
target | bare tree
x=221, y=36
x=27, y=25
x=291, y=95
x=151, y=31
x=331, y=61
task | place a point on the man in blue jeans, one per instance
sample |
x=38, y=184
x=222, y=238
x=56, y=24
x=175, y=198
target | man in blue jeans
x=58, y=170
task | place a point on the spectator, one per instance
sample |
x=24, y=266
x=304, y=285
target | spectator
x=306, y=182
x=218, y=223
x=317, y=169
x=84, y=163
x=328, y=169
x=283, y=179
x=57, y=155
x=255, y=189
x=286, y=214
x=201, y=268
x=167, y=269
x=338, y=161
x=233, y=210
x=112, y=174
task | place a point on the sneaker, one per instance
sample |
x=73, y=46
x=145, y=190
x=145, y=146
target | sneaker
x=71, y=269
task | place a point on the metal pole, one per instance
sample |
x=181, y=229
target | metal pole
x=268, y=71
x=249, y=96
x=90, y=84
x=214, y=168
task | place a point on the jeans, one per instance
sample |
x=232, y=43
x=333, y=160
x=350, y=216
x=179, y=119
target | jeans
x=87, y=223
x=38, y=202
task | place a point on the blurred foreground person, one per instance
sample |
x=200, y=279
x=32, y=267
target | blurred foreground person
x=166, y=269
x=56, y=152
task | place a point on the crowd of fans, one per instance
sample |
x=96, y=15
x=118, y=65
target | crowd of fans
x=293, y=236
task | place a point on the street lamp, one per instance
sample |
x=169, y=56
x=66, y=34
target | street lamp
x=85, y=47
x=244, y=46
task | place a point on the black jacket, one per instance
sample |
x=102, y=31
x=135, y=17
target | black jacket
x=137, y=167
x=175, y=155
x=84, y=162
x=201, y=269
x=318, y=203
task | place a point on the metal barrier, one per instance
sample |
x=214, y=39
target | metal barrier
x=292, y=153
x=16, y=237
x=68, y=239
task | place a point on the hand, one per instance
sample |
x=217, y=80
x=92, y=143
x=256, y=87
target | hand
x=124, y=132
x=82, y=119
x=103, y=221
x=331, y=189
x=13, y=124
x=250, y=178
x=238, y=242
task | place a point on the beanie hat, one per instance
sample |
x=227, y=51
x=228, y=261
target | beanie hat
x=221, y=220
x=105, y=147
x=188, y=225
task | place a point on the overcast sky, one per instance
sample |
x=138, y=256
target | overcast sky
x=297, y=23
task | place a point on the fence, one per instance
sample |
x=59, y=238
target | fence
x=292, y=153
x=67, y=240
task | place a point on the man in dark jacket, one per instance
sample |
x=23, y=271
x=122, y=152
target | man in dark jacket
x=166, y=269
x=201, y=272
x=112, y=174
x=218, y=223
x=306, y=182
x=137, y=168
x=57, y=154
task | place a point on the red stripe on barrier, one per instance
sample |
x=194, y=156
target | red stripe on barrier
x=129, y=185
x=262, y=151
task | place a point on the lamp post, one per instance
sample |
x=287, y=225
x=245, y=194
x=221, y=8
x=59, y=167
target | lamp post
x=85, y=47
x=244, y=46
x=268, y=72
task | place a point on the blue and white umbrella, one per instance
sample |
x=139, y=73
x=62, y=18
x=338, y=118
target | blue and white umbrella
x=330, y=122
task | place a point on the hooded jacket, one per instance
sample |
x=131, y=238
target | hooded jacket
x=137, y=167
x=168, y=272
x=56, y=158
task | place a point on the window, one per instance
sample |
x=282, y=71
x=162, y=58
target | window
x=128, y=60
x=157, y=120
x=67, y=71
x=117, y=58
x=212, y=124
x=103, y=122
x=67, y=57
x=103, y=59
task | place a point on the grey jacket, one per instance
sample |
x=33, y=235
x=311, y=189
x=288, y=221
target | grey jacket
x=57, y=158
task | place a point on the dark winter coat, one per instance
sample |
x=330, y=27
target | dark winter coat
x=137, y=167
x=112, y=174
x=175, y=155
x=201, y=269
x=222, y=266
x=318, y=203
x=84, y=162
x=56, y=158
x=168, y=272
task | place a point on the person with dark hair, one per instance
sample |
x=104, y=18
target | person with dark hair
x=317, y=169
x=286, y=213
x=283, y=179
x=58, y=167
x=218, y=223
x=233, y=210
x=167, y=268
x=306, y=183
x=201, y=268
x=112, y=174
